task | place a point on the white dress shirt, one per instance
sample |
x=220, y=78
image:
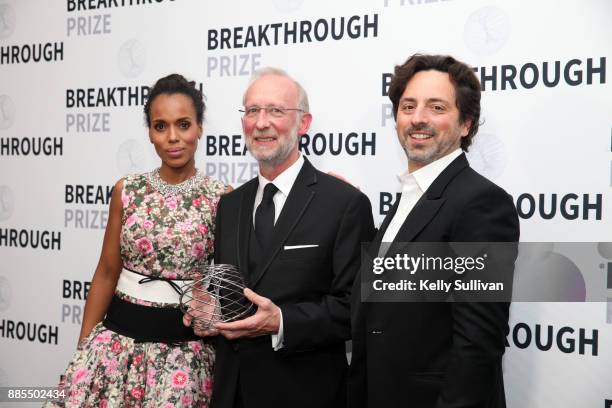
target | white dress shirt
x=284, y=183
x=413, y=186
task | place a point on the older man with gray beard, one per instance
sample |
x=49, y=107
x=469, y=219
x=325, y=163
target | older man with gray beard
x=294, y=233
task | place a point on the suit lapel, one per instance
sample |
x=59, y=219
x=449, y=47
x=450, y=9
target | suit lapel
x=298, y=200
x=245, y=220
x=385, y=224
x=431, y=201
x=374, y=247
x=421, y=215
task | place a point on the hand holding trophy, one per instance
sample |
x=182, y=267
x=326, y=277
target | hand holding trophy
x=215, y=296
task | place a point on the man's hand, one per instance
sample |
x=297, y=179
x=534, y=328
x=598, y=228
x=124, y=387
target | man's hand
x=265, y=321
x=201, y=313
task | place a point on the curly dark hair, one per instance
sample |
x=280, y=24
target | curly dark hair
x=467, y=87
x=173, y=84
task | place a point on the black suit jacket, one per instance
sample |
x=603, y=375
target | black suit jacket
x=439, y=355
x=311, y=286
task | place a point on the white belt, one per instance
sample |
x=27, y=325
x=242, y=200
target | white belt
x=151, y=291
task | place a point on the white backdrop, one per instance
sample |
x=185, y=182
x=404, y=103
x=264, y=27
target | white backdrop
x=545, y=68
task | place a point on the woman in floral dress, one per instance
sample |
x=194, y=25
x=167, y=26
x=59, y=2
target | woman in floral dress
x=133, y=349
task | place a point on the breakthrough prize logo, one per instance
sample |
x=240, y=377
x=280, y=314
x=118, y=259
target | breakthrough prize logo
x=131, y=157
x=7, y=112
x=7, y=203
x=132, y=58
x=7, y=21
x=287, y=6
x=488, y=156
x=5, y=294
x=487, y=30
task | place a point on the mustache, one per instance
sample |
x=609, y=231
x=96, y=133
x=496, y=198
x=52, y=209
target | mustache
x=420, y=128
x=257, y=133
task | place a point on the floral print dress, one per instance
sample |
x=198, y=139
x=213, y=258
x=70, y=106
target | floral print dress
x=167, y=236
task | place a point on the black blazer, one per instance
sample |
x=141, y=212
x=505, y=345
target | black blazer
x=311, y=286
x=439, y=355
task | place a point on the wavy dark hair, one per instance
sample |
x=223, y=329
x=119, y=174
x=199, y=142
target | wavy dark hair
x=173, y=84
x=467, y=87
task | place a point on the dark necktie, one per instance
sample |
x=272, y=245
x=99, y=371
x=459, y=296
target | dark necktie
x=264, y=216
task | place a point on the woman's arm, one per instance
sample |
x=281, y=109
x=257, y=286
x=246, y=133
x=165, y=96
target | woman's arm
x=108, y=269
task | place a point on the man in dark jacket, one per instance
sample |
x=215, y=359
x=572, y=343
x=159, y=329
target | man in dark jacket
x=432, y=354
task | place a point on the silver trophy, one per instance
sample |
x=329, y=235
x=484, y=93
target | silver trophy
x=215, y=296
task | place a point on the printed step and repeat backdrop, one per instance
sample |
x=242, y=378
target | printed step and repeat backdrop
x=74, y=75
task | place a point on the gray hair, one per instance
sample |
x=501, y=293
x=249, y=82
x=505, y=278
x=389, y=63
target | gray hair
x=302, y=96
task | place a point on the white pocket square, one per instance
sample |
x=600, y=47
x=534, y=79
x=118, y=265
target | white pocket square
x=287, y=247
